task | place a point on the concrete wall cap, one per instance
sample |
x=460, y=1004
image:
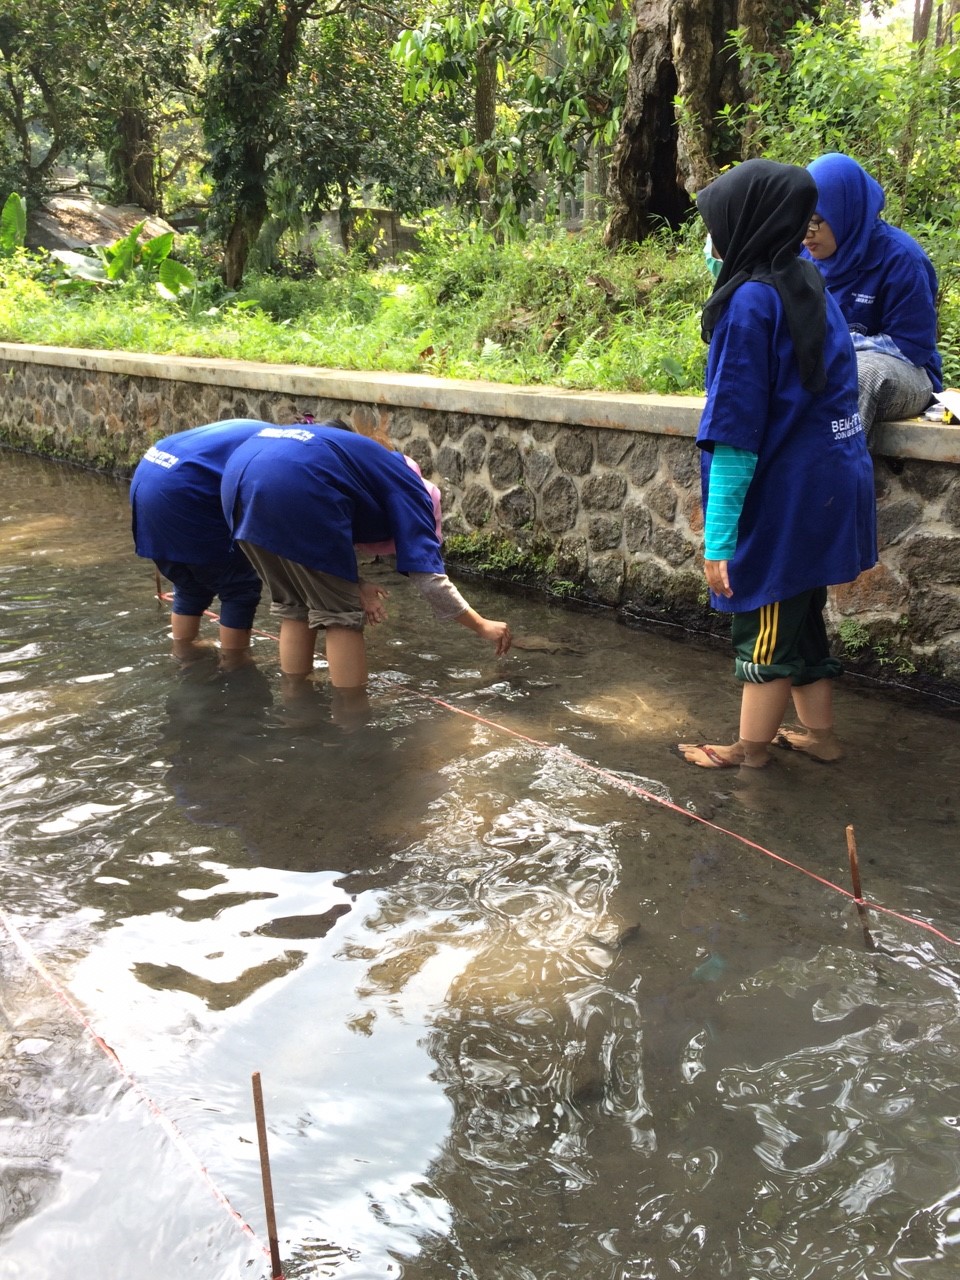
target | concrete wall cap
x=670, y=415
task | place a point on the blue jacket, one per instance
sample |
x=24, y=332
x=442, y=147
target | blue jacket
x=175, y=493
x=881, y=277
x=309, y=493
x=895, y=293
x=809, y=515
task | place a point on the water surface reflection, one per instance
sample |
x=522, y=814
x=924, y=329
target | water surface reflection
x=513, y=1020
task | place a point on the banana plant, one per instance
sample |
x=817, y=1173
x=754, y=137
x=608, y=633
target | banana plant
x=127, y=260
x=13, y=224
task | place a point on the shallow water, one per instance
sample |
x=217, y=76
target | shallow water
x=519, y=1014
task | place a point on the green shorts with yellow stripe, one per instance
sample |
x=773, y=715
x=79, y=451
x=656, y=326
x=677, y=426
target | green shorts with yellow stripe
x=787, y=638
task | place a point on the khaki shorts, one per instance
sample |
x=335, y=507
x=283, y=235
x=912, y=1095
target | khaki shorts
x=306, y=595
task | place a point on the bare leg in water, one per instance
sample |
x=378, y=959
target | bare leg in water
x=761, y=711
x=234, y=649
x=814, y=707
x=346, y=659
x=187, y=647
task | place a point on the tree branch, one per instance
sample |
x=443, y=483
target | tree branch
x=183, y=158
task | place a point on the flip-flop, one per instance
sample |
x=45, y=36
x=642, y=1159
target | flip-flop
x=716, y=760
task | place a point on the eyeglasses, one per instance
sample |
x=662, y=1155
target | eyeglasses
x=813, y=226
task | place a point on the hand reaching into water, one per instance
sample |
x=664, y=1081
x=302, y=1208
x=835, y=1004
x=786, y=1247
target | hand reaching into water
x=498, y=633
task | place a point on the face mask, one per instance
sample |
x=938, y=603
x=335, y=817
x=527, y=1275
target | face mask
x=714, y=265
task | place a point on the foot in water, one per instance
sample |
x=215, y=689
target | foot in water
x=188, y=652
x=753, y=756
x=818, y=744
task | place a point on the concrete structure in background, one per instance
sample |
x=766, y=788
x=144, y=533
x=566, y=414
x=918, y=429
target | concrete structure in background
x=588, y=495
x=79, y=221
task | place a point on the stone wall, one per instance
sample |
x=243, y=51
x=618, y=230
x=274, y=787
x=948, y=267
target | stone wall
x=590, y=495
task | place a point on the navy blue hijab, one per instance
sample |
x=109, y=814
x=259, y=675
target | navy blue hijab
x=757, y=215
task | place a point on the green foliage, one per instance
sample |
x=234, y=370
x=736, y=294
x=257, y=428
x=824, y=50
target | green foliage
x=842, y=90
x=135, y=265
x=874, y=97
x=254, y=44
x=350, y=127
x=194, y=252
x=71, y=71
x=127, y=260
x=949, y=343
x=854, y=636
x=562, y=309
x=491, y=553
x=302, y=110
x=13, y=224
x=502, y=557
x=860, y=645
x=38, y=41
x=555, y=309
x=558, y=70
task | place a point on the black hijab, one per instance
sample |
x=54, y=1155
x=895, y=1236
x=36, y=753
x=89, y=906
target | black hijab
x=757, y=215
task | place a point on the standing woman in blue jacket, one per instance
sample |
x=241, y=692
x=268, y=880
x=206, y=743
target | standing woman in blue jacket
x=787, y=482
x=886, y=287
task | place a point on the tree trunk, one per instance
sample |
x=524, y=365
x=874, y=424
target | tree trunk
x=283, y=21
x=922, y=13
x=240, y=239
x=681, y=47
x=133, y=160
x=946, y=15
x=485, y=121
x=346, y=218
x=485, y=95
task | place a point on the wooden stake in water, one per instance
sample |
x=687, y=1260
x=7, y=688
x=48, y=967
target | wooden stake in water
x=854, y=864
x=857, y=889
x=276, y=1267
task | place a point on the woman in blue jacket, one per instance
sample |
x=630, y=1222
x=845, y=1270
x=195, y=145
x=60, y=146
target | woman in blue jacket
x=297, y=499
x=178, y=524
x=787, y=481
x=886, y=287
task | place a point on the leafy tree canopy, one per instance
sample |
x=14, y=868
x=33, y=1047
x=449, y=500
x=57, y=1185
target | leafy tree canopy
x=556, y=68
x=67, y=71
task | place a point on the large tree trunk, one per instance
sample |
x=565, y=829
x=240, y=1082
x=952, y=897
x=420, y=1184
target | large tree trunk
x=922, y=12
x=240, y=239
x=680, y=47
x=133, y=159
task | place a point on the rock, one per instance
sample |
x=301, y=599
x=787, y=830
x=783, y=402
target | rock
x=542, y=644
x=79, y=221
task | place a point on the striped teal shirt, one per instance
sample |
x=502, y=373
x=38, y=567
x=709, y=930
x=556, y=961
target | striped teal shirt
x=731, y=471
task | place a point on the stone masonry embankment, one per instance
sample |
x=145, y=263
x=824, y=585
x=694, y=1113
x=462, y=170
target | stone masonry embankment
x=594, y=495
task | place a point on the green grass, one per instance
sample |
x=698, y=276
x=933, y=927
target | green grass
x=555, y=309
